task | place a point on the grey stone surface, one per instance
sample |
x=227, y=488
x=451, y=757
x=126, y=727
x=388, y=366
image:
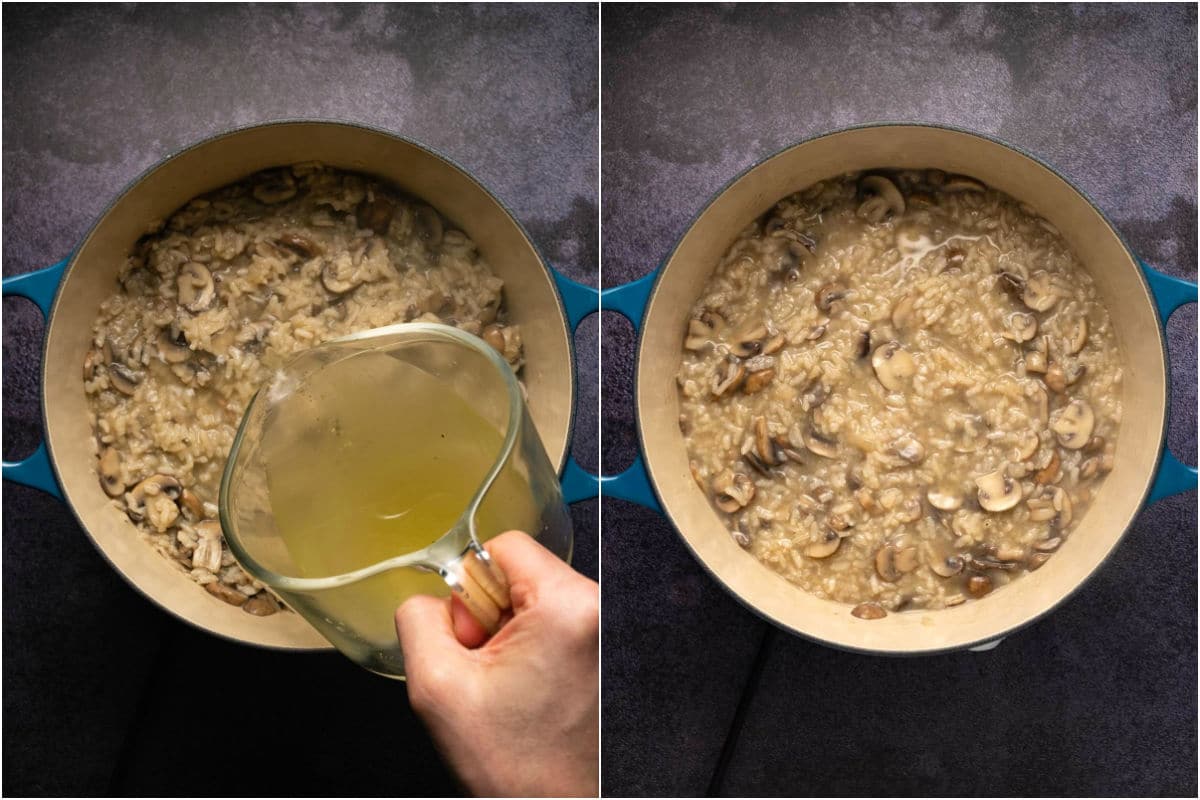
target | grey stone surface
x=1100, y=698
x=102, y=691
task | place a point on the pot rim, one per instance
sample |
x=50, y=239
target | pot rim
x=72, y=261
x=996, y=638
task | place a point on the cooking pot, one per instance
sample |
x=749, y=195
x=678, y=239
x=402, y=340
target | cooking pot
x=547, y=305
x=1138, y=298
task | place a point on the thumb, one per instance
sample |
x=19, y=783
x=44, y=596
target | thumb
x=425, y=629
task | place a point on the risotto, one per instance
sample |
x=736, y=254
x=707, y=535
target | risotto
x=213, y=300
x=900, y=390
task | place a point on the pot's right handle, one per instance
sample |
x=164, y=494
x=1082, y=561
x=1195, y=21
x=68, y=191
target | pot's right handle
x=40, y=288
x=1170, y=293
x=630, y=302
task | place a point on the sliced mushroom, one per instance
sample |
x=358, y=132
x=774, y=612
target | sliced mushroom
x=1027, y=445
x=947, y=567
x=428, y=225
x=1050, y=473
x=123, y=379
x=961, y=183
x=757, y=381
x=1073, y=424
x=728, y=378
x=1012, y=283
x=893, y=366
x=979, y=585
x=902, y=312
x=820, y=444
x=749, y=341
x=1048, y=545
x=868, y=611
x=829, y=294
x=943, y=500
x=171, y=350
x=862, y=344
x=764, y=445
x=1089, y=468
x=826, y=547
x=1064, y=507
x=885, y=564
x=339, y=275
x=883, y=200
x=1041, y=509
x=375, y=215
x=276, y=187
x=226, y=593
x=997, y=491
x=1055, y=379
x=135, y=500
x=909, y=449
x=191, y=505
x=774, y=345
x=1077, y=336
x=1037, y=560
x=732, y=491
x=1040, y=292
x=207, y=554
x=196, y=287
x=1021, y=327
x=494, y=336
x=110, y=473
x=300, y=245
x=261, y=605
x=1037, y=359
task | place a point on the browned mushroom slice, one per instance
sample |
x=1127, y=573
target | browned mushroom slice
x=300, y=245
x=947, y=567
x=732, y=491
x=191, y=505
x=1040, y=292
x=339, y=275
x=195, y=286
x=764, y=445
x=135, y=500
x=868, y=611
x=961, y=183
x=944, y=500
x=893, y=366
x=428, y=225
x=110, y=473
x=1073, y=424
x=1077, y=335
x=749, y=341
x=123, y=379
x=1065, y=508
x=261, y=605
x=1021, y=327
x=997, y=491
x=1027, y=445
x=276, y=187
x=1051, y=472
x=979, y=585
x=728, y=378
x=757, y=381
x=171, y=349
x=829, y=294
x=227, y=593
x=820, y=444
x=885, y=564
x=824, y=548
x=774, y=344
x=375, y=215
x=883, y=199
x=1037, y=560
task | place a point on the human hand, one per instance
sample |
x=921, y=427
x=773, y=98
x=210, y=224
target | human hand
x=517, y=714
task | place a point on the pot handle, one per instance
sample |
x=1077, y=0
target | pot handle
x=630, y=302
x=40, y=288
x=1170, y=293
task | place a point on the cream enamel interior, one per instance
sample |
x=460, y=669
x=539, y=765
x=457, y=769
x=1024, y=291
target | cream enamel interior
x=529, y=295
x=1117, y=277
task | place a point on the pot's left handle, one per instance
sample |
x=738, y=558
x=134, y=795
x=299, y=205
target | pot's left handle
x=630, y=302
x=1170, y=293
x=40, y=288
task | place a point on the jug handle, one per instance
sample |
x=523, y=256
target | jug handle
x=1170, y=293
x=629, y=301
x=480, y=585
x=39, y=287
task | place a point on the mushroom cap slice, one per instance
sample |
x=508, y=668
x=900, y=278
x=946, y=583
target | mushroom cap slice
x=171, y=350
x=997, y=491
x=110, y=473
x=1077, y=335
x=885, y=564
x=828, y=294
x=732, y=491
x=820, y=444
x=947, y=567
x=1073, y=424
x=757, y=381
x=340, y=275
x=868, y=611
x=123, y=379
x=1040, y=292
x=944, y=501
x=893, y=366
x=135, y=500
x=828, y=545
x=882, y=188
x=728, y=381
x=195, y=286
x=979, y=585
x=1021, y=327
x=749, y=341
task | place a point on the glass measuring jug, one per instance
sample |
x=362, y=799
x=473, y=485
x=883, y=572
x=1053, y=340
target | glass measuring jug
x=373, y=467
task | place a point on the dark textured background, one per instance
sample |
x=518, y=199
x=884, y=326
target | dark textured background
x=701, y=696
x=103, y=692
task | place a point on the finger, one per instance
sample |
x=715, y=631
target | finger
x=526, y=565
x=467, y=629
x=426, y=633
